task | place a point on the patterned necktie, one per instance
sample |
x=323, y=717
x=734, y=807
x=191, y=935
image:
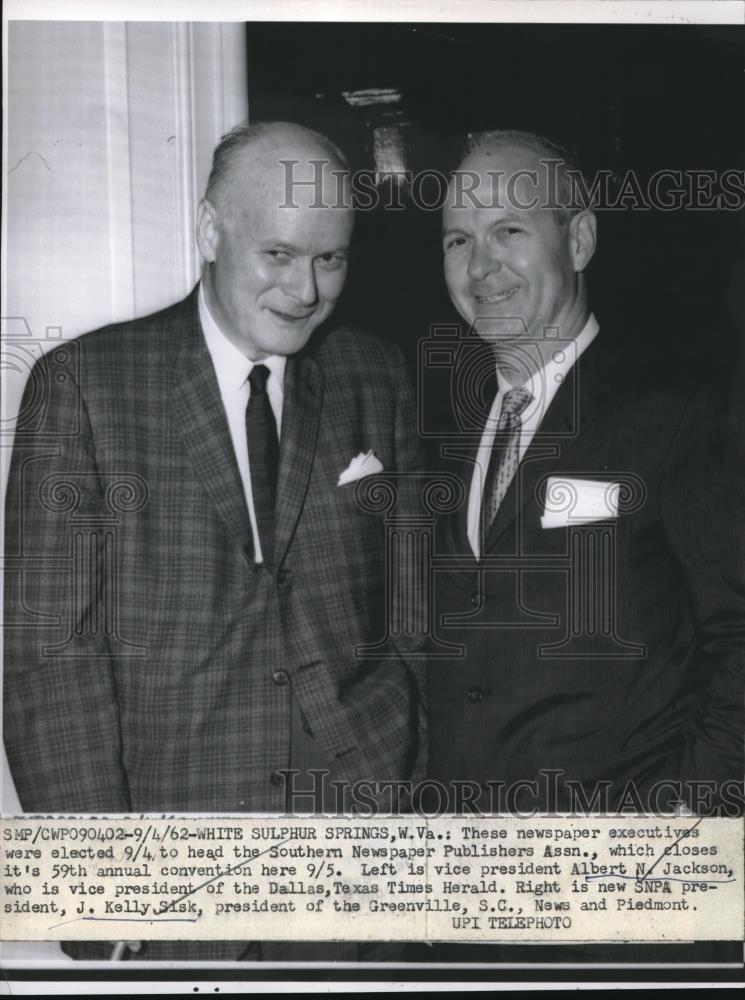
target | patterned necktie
x=505, y=453
x=263, y=458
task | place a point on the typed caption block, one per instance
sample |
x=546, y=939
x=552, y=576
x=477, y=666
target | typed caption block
x=501, y=879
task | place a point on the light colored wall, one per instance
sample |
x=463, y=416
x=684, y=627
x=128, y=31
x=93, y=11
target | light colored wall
x=110, y=132
x=111, y=127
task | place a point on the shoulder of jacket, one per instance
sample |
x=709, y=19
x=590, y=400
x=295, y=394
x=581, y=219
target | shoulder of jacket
x=355, y=347
x=132, y=339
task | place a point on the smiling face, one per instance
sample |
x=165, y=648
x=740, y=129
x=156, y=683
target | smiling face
x=512, y=270
x=275, y=266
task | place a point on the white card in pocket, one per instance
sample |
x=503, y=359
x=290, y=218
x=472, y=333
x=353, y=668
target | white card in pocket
x=578, y=501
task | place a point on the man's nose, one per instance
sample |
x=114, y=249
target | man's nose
x=301, y=283
x=482, y=263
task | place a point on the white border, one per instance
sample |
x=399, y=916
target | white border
x=516, y=11
x=663, y=12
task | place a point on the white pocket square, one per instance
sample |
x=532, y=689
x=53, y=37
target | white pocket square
x=365, y=464
x=571, y=502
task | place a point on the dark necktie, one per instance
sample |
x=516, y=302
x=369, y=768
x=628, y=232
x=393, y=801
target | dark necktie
x=263, y=457
x=505, y=454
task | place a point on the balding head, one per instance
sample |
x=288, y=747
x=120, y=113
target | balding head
x=559, y=176
x=267, y=154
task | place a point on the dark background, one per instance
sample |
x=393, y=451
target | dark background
x=621, y=97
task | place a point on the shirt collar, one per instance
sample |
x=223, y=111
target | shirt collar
x=544, y=383
x=232, y=367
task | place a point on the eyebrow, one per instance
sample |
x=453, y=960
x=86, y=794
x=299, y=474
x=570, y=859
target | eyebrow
x=266, y=245
x=270, y=244
x=512, y=217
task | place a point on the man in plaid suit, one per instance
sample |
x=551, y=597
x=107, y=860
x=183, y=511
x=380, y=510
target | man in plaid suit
x=164, y=650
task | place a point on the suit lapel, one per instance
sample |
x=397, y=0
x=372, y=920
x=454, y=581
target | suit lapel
x=454, y=527
x=568, y=418
x=301, y=414
x=200, y=417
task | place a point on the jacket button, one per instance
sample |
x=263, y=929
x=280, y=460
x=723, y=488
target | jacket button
x=475, y=600
x=475, y=694
x=277, y=779
x=280, y=677
x=284, y=578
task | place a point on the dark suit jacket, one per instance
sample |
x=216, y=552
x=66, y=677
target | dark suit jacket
x=150, y=664
x=609, y=652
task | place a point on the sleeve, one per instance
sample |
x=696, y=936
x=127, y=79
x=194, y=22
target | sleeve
x=385, y=705
x=704, y=516
x=60, y=715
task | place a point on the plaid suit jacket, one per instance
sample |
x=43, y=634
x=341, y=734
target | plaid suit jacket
x=150, y=664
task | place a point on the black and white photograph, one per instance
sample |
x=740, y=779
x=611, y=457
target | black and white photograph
x=373, y=445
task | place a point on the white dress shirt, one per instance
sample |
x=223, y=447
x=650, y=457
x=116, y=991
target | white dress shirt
x=543, y=386
x=232, y=369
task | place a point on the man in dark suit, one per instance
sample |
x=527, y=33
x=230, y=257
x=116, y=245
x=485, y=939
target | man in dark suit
x=175, y=639
x=595, y=592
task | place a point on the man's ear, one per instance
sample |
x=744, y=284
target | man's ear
x=582, y=238
x=208, y=236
